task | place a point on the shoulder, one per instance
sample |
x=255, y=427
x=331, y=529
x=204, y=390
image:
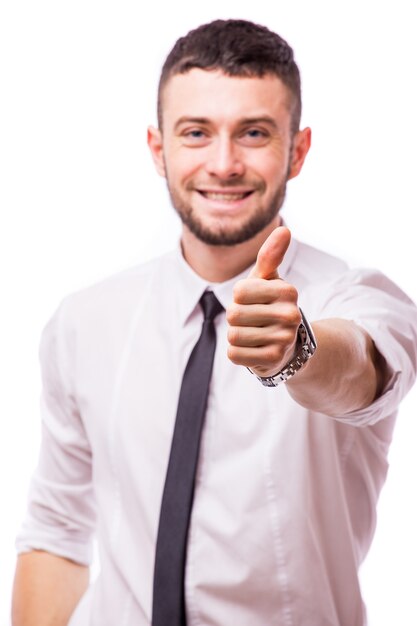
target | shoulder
x=126, y=286
x=113, y=300
x=331, y=287
x=310, y=265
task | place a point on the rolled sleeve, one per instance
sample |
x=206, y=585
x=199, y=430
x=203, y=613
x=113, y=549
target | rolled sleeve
x=61, y=510
x=380, y=307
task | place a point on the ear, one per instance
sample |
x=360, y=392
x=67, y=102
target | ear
x=156, y=148
x=300, y=147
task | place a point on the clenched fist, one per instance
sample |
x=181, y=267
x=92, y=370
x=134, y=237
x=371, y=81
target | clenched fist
x=264, y=317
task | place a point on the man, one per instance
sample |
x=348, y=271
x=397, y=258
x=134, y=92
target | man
x=287, y=481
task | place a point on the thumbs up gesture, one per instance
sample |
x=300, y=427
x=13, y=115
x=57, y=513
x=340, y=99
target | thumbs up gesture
x=264, y=317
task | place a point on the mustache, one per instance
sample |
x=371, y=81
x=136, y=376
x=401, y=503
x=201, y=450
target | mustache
x=226, y=184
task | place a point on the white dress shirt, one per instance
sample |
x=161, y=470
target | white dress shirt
x=284, y=509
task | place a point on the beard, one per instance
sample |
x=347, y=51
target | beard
x=221, y=236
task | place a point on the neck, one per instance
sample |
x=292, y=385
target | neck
x=220, y=263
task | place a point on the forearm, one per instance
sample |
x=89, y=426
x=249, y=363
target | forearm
x=47, y=589
x=346, y=372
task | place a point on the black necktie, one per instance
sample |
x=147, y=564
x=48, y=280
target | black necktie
x=168, y=590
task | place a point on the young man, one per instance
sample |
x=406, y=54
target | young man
x=285, y=490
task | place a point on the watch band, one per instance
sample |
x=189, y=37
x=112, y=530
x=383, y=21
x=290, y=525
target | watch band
x=305, y=348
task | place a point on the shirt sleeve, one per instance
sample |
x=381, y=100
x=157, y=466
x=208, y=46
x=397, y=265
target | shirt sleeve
x=374, y=302
x=61, y=509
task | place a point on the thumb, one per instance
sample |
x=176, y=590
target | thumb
x=271, y=254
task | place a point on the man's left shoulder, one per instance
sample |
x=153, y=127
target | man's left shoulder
x=309, y=264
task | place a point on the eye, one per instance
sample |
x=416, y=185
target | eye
x=194, y=137
x=254, y=136
x=255, y=132
x=194, y=134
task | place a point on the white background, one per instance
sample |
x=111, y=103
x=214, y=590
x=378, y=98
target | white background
x=79, y=198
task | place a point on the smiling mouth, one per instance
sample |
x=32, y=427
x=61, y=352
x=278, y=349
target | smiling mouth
x=225, y=196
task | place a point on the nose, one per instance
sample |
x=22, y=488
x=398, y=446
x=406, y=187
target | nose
x=225, y=159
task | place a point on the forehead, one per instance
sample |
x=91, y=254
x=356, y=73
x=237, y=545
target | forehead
x=218, y=96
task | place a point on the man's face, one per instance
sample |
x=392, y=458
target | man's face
x=226, y=151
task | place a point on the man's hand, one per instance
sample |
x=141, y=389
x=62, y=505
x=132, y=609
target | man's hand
x=264, y=317
x=347, y=372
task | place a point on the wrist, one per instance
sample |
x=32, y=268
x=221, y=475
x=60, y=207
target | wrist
x=304, y=349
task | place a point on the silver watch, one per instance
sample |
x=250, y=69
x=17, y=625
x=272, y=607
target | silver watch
x=305, y=347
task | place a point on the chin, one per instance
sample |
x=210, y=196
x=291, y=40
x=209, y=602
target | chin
x=224, y=236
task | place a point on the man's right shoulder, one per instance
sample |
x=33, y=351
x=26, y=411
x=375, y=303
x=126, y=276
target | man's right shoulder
x=116, y=296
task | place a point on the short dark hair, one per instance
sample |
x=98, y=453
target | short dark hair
x=238, y=48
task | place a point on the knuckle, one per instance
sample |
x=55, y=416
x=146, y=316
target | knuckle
x=289, y=292
x=239, y=290
x=296, y=317
x=233, y=354
x=288, y=316
x=232, y=314
x=292, y=318
x=287, y=337
x=294, y=293
x=233, y=335
x=272, y=353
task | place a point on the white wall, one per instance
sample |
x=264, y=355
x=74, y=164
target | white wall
x=79, y=198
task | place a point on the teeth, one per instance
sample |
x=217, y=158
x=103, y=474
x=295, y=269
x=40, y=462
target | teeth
x=224, y=196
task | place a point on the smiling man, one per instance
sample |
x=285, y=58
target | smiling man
x=215, y=499
x=229, y=165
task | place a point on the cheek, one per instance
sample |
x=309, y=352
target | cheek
x=183, y=164
x=272, y=170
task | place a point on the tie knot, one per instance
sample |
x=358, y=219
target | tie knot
x=210, y=305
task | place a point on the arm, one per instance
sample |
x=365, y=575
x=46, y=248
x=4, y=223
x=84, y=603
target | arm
x=345, y=374
x=46, y=589
x=61, y=506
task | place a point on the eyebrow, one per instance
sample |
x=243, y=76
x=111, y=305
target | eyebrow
x=245, y=121
x=264, y=119
x=191, y=120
